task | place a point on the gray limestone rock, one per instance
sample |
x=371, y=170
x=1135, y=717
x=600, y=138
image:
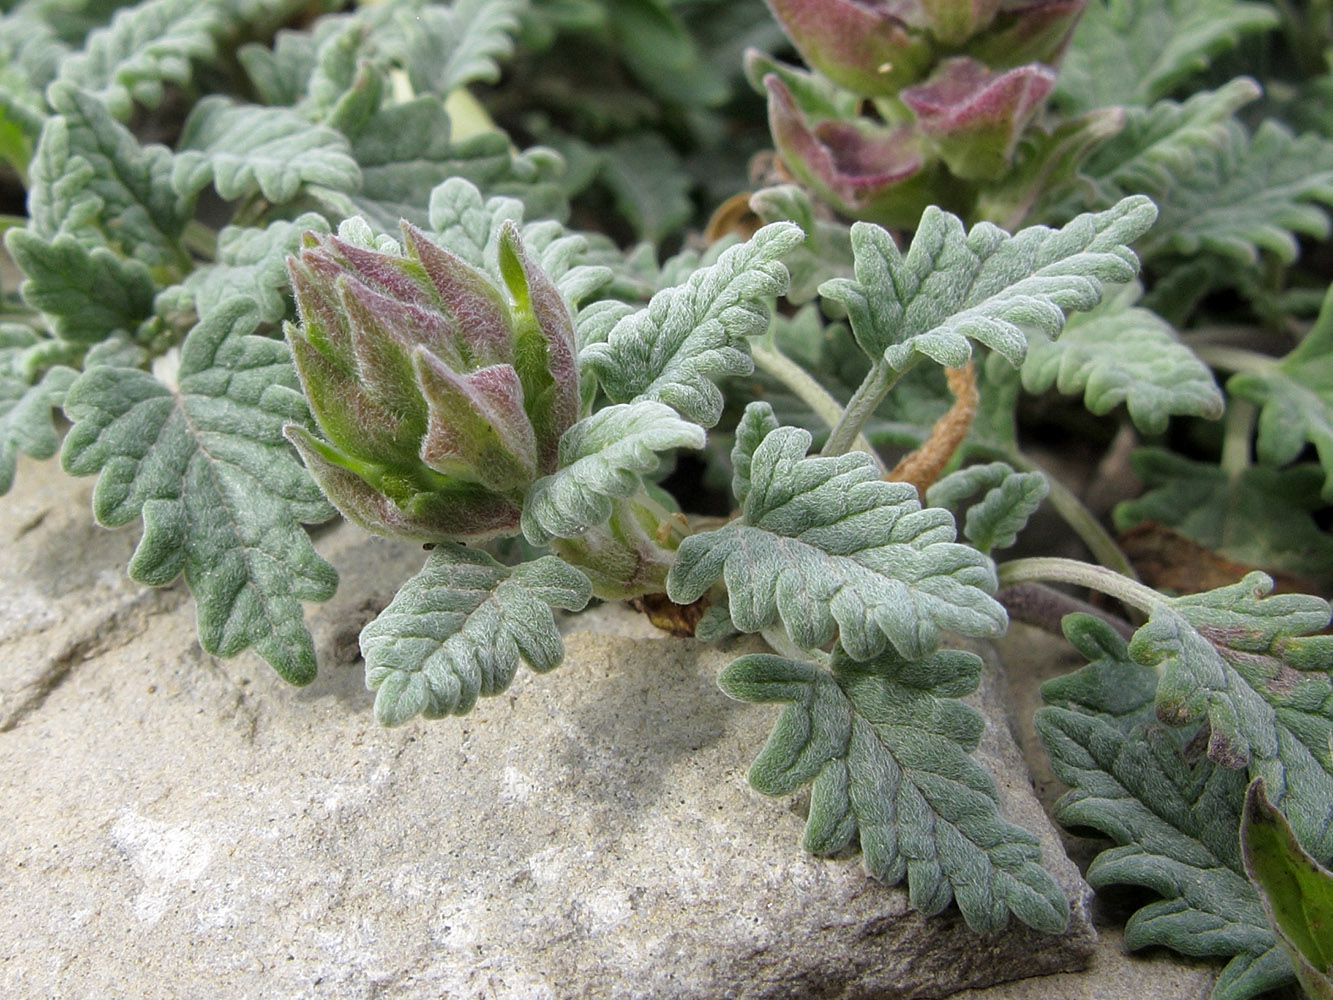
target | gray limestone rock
x=183, y=826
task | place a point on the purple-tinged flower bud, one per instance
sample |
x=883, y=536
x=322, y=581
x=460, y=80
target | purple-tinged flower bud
x=1028, y=31
x=973, y=118
x=441, y=399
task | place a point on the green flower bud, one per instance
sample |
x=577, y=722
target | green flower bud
x=441, y=398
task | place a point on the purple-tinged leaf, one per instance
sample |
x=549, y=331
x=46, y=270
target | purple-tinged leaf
x=352, y=419
x=452, y=510
x=1038, y=31
x=858, y=45
x=955, y=21
x=544, y=354
x=323, y=323
x=477, y=426
x=862, y=169
x=975, y=117
x=479, y=314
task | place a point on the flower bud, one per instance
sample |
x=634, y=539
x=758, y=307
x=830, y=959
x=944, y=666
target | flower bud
x=441, y=399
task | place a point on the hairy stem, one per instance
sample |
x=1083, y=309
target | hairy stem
x=869, y=394
x=1045, y=607
x=1079, y=518
x=1053, y=569
x=922, y=466
x=1236, y=437
x=809, y=392
x=1235, y=359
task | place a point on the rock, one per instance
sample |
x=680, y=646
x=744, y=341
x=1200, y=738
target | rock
x=188, y=826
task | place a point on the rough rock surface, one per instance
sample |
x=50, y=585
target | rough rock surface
x=183, y=826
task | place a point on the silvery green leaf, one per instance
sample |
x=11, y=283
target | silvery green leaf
x=143, y=48
x=1296, y=394
x=27, y=399
x=756, y=423
x=457, y=630
x=1011, y=498
x=830, y=549
x=1136, y=51
x=85, y=294
x=239, y=148
x=687, y=336
x=1118, y=353
x=1243, y=194
x=92, y=179
x=886, y=744
x=603, y=457
x=1255, y=670
x=222, y=496
x=1176, y=827
x=444, y=47
x=250, y=263
x=953, y=286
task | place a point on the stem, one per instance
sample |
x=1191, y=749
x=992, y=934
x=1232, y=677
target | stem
x=1054, y=569
x=809, y=392
x=1236, y=359
x=781, y=643
x=1085, y=525
x=1236, y=437
x=869, y=394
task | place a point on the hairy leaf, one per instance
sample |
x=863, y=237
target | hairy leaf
x=238, y=148
x=407, y=149
x=458, y=628
x=143, y=48
x=953, y=286
x=885, y=743
x=691, y=334
x=1118, y=353
x=92, y=179
x=250, y=263
x=221, y=494
x=1011, y=499
x=603, y=457
x=1297, y=398
x=1263, y=517
x=1245, y=194
x=445, y=47
x=85, y=295
x=1136, y=51
x=832, y=550
x=27, y=399
x=1247, y=666
x=1176, y=826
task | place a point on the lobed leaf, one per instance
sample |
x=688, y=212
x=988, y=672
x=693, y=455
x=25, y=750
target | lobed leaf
x=885, y=743
x=1011, y=498
x=250, y=263
x=1247, y=665
x=1136, y=51
x=239, y=148
x=953, y=286
x=1296, y=396
x=27, y=399
x=1176, y=827
x=829, y=548
x=603, y=457
x=143, y=48
x=672, y=350
x=457, y=630
x=222, y=497
x=1118, y=353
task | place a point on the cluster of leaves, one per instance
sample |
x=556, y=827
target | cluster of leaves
x=462, y=367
